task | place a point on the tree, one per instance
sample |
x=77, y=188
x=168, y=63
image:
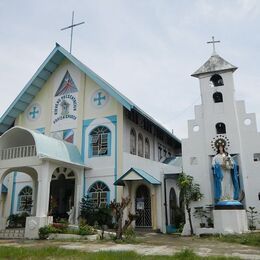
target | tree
x=191, y=192
x=118, y=212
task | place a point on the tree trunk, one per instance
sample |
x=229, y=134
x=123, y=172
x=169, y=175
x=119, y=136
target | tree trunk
x=189, y=216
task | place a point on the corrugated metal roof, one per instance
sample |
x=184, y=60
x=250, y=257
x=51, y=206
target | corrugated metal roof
x=42, y=75
x=143, y=174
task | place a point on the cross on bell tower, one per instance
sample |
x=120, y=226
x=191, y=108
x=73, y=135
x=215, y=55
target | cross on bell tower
x=213, y=43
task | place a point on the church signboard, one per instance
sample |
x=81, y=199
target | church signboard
x=65, y=105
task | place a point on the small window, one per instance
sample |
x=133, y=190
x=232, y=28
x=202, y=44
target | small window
x=258, y=195
x=133, y=141
x=100, y=141
x=218, y=97
x=221, y=128
x=25, y=200
x=140, y=145
x=147, y=148
x=216, y=80
x=256, y=157
x=99, y=194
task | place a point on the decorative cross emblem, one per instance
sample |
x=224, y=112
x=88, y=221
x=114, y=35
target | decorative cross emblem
x=34, y=113
x=99, y=98
x=213, y=43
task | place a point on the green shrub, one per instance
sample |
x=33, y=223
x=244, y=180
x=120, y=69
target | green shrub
x=17, y=220
x=130, y=233
x=86, y=230
x=46, y=230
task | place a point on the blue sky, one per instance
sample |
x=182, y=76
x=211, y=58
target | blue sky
x=146, y=49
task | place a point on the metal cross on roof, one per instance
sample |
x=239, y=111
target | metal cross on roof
x=71, y=29
x=213, y=43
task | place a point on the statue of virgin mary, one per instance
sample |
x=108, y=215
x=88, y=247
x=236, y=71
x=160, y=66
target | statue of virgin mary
x=225, y=174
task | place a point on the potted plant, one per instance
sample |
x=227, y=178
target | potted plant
x=251, y=213
x=201, y=215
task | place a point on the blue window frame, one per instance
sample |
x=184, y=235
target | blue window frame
x=100, y=142
x=99, y=193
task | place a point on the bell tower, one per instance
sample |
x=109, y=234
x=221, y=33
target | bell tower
x=222, y=119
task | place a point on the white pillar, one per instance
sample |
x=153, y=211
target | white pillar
x=78, y=193
x=43, y=191
x=42, y=203
x=2, y=218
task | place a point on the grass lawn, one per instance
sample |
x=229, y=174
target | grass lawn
x=250, y=239
x=15, y=253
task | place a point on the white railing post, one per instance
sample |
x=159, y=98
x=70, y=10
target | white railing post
x=18, y=152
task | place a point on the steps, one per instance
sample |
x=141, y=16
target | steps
x=12, y=233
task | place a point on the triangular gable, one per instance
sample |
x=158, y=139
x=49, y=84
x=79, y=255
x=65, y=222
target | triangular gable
x=67, y=86
x=135, y=174
x=41, y=76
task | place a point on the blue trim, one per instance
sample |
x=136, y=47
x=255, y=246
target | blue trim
x=13, y=193
x=113, y=119
x=85, y=124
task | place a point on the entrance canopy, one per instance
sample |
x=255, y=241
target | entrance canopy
x=135, y=174
x=20, y=142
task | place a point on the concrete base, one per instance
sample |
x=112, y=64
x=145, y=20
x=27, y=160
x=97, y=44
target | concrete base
x=230, y=221
x=33, y=224
x=3, y=223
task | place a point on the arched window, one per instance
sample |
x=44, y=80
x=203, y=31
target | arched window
x=221, y=128
x=140, y=145
x=25, y=200
x=218, y=97
x=133, y=141
x=216, y=80
x=147, y=148
x=99, y=194
x=100, y=142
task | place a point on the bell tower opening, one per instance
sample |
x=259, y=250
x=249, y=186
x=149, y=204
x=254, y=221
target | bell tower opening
x=218, y=97
x=216, y=81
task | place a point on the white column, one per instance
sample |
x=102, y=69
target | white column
x=2, y=218
x=78, y=193
x=43, y=191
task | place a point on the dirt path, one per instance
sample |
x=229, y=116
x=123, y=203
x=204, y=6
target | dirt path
x=152, y=244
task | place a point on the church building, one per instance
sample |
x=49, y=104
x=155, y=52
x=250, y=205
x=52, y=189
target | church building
x=70, y=134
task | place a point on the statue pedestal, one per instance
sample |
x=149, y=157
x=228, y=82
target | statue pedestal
x=230, y=218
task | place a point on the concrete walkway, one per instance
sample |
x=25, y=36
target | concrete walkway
x=152, y=244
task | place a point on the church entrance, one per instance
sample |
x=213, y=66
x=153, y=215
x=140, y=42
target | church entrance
x=143, y=207
x=62, y=191
x=173, y=207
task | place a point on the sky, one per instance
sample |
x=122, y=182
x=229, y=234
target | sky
x=147, y=49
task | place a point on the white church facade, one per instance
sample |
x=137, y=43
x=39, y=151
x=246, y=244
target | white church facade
x=70, y=134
